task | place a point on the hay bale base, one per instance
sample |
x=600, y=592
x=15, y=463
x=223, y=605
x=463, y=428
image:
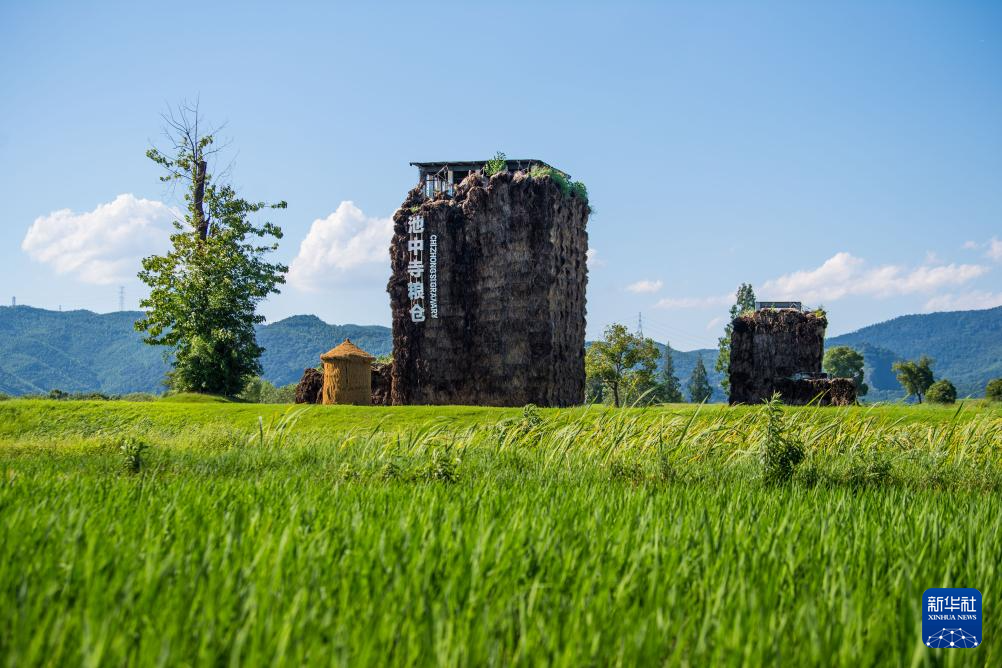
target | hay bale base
x=819, y=391
x=310, y=386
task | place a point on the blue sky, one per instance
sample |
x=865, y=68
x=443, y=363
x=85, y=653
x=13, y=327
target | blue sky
x=848, y=154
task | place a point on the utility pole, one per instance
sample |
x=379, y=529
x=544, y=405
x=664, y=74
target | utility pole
x=121, y=298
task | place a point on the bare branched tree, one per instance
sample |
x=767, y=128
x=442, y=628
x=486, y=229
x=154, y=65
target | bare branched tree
x=192, y=147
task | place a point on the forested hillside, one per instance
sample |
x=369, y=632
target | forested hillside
x=81, y=351
x=966, y=347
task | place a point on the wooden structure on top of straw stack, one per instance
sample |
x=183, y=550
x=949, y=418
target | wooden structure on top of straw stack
x=347, y=375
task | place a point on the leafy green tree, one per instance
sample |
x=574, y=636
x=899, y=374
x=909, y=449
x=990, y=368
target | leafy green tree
x=744, y=301
x=941, y=392
x=699, y=386
x=623, y=363
x=204, y=292
x=844, y=362
x=594, y=387
x=260, y=391
x=993, y=390
x=915, y=376
x=669, y=387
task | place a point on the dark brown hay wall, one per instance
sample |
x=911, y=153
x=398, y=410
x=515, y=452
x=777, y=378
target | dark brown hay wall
x=769, y=348
x=382, y=382
x=309, y=387
x=512, y=272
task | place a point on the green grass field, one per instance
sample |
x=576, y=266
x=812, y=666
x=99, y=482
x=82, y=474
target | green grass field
x=239, y=534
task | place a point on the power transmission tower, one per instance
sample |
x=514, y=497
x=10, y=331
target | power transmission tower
x=640, y=325
x=121, y=298
x=13, y=302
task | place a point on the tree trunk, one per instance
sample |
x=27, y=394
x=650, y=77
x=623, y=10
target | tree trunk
x=201, y=224
x=615, y=395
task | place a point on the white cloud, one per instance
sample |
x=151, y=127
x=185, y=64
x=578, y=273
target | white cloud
x=593, y=259
x=975, y=299
x=994, y=249
x=645, y=286
x=694, y=302
x=843, y=275
x=102, y=246
x=339, y=246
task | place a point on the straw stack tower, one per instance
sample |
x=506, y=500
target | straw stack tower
x=347, y=375
x=503, y=272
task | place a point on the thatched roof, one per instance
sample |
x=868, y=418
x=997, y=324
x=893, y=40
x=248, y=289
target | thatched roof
x=346, y=350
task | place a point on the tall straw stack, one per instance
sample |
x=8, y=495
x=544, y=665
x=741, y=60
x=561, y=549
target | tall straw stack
x=347, y=375
x=511, y=274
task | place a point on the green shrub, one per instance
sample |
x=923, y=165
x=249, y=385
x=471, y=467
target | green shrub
x=781, y=452
x=495, y=165
x=59, y=395
x=993, y=391
x=260, y=391
x=139, y=396
x=4, y=397
x=558, y=178
x=567, y=188
x=808, y=475
x=391, y=470
x=443, y=467
x=871, y=469
x=531, y=417
x=132, y=455
x=941, y=392
x=626, y=470
x=282, y=395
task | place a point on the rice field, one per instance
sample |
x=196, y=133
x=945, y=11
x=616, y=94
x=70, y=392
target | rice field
x=176, y=533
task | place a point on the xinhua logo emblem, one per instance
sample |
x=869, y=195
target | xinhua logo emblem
x=951, y=618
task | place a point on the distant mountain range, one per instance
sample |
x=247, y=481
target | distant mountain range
x=966, y=347
x=81, y=351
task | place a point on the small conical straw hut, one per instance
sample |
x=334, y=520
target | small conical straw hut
x=347, y=375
